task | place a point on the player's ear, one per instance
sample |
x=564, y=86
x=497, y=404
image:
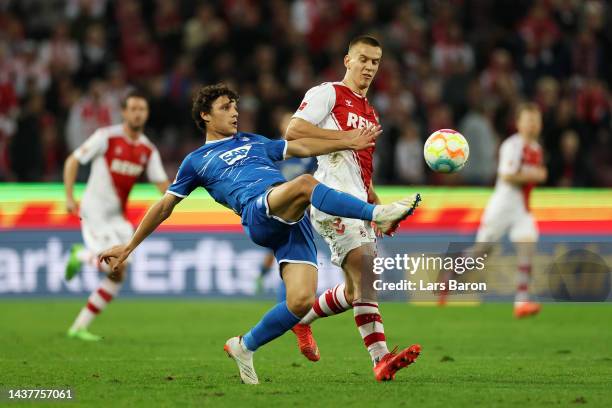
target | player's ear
x=347, y=58
x=205, y=116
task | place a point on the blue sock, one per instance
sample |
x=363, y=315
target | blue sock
x=277, y=321
x=336, y=202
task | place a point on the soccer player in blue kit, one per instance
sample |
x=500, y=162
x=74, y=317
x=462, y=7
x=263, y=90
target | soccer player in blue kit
x=238, y=170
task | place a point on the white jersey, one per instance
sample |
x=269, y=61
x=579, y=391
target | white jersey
x=117, y=163
x=332, y=105
x=515, y=154
x=508, y=208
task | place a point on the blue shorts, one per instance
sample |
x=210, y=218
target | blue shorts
x=292, y=242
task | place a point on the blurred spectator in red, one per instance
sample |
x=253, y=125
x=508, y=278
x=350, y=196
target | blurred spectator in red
x=9, y=110
x=499, y=78
x=128, y=14
x=538, y=24
x=28, y=68
x=443, y=19
x=90, y=112
x=455, y=51
x=60, y=53
x=593, y=104
x=141, y=57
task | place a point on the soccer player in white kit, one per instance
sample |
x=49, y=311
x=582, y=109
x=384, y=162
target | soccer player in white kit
x=335, y=110
x=118, y=154
x=520, y=169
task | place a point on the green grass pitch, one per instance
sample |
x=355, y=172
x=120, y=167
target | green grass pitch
x=169, y=353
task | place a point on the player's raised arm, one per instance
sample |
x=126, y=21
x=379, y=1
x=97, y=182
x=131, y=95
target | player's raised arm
x=535, y=175
x=308, y=147
x=299, y=128
x=159, y=212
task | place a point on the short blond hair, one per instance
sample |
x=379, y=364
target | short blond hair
x=531, y=107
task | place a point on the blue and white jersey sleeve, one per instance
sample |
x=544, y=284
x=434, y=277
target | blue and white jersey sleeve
x=186, y=180
x=275, y=149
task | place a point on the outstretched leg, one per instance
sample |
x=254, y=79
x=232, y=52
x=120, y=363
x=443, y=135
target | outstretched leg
x=289, y=200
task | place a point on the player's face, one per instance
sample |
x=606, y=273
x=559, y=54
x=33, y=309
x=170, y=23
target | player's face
x=223, y=118
x=362, y=64
x=529, y=124
x=136, y=113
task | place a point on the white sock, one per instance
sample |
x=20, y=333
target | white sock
x=97, y=301
x=522, y=288
x=331, y=302
x=244, y=347
x=369, y=323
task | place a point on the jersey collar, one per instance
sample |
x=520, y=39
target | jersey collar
x=219, y=140
x=354, y=93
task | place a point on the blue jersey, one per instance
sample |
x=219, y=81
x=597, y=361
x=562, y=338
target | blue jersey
x=233, y=170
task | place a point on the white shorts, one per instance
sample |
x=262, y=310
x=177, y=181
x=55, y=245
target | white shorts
x=100, y=235
x=341, y=234
x=496, y=222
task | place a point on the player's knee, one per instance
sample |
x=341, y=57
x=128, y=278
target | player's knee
x=306, y=183
x=300, y=303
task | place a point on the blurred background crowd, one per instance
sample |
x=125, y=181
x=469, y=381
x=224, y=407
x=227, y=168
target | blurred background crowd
x=462, y=64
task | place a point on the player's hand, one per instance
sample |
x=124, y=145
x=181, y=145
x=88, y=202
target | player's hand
x=365, y=137
x=72, y=207
x=115, y=256
x=541, y=174
x=377, y=231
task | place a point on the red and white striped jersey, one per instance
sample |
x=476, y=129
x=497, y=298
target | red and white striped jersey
x=515, y=154
x=117, y=163
x=332, y=105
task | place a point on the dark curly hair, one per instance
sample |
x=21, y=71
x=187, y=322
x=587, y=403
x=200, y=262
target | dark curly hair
x=204, y=98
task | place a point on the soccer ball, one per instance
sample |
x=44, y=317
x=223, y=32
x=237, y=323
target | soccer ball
x=446, y=151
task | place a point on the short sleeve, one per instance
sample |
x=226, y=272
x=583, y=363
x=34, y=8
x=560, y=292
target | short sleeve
x=155, y=168
x=509, y=158
x=94, y=146
x=317, y=104
x=186, y=180
x=277, y=149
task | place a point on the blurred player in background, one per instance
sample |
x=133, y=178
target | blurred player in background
x=520, y=169
x=238, y=170
x=335, y=110
x=290, y=169
x=118, y=154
